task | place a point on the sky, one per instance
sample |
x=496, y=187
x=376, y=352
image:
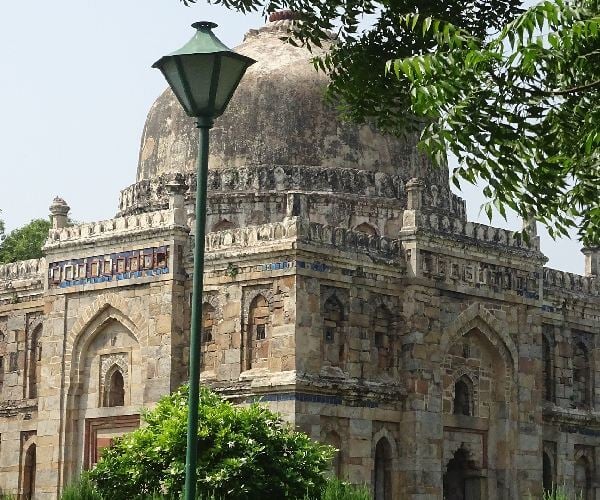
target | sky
x=76, y=85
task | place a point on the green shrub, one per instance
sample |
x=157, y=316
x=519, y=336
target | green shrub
x=243, y=453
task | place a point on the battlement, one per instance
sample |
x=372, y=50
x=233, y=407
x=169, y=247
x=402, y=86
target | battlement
x=112, y=228
x=308, y=232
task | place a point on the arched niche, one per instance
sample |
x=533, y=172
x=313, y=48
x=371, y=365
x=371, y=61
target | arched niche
x=463, y=401
x=382, y=470
x=257, y=334
x=114, y=388
x=333, y=337
x=29, y=472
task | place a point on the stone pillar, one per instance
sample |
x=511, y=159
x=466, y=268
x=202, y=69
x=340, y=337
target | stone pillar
x=414, y=203
x=592, y=260
x=530, y=228
x=58, y=213
x=414, y=191
x=176, y=189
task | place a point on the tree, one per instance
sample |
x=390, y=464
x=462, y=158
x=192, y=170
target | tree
x=25, y=242
x=551, y=180
x=243, y=453
x=520, y=110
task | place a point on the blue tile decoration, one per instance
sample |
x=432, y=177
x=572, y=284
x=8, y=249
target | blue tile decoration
x=116, y=266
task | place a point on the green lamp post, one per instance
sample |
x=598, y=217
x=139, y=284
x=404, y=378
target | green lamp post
x=203, y=75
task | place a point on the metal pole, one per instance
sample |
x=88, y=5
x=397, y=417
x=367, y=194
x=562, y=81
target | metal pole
x=191, y=458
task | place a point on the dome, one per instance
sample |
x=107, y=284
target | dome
x=277, y=117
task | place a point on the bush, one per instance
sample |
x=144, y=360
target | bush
x=243, y=453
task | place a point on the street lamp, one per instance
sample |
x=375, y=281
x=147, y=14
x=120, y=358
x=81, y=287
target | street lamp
x=203, y=75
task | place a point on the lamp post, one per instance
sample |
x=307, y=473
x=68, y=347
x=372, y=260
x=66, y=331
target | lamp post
x=203, y=75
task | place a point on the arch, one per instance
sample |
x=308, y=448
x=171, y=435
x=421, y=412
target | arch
x=105, y=316
x=478, y=317
x=382, y=470
x=114, y=387
x=462, y=478
x=582, y=384
x=223, y=225
x=547, y=369
x=208, y=322
x=332, y=438
x=381, y=341
x=109, y=305
x=333, y=336
x=547, y=473
x=583, y=478
x=29, y=470
x=366, y=228
x=34, y=355
x=463, y=401
x=257, y=333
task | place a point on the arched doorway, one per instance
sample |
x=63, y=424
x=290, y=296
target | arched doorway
x=462, y=480
x=383, y=470
x=29, y=473
x=583, y=479
x=547, y=476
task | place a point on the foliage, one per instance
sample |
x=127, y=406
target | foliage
x=83, y=489
x=25, y=242
x=243, y=452
x=356, y=62
x=338, y=490
x=558, y=493
x=520, y=110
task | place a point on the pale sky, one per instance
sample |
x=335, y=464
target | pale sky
x=76, y=85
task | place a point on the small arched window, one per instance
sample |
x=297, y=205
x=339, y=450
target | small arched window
x=114, y=394
x=208, y=323
x=463, y=397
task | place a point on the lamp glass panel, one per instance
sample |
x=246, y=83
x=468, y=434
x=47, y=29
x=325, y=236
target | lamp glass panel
x=232, y=70
x=198, y=69
x=169, y=69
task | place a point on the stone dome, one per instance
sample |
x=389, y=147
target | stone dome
x=277, y=117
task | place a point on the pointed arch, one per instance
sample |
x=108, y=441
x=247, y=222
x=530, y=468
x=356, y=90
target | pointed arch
x=257, y=334
x=333, y=338
x=464, y=400
x=109, y=304
x=114, y=387
x=382, y=470
x=29, y=472
x=478, y=317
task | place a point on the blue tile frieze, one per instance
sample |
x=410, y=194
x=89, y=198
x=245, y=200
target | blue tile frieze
x=117, y=266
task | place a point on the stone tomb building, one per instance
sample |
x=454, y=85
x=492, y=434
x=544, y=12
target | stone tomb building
x=344, y=287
